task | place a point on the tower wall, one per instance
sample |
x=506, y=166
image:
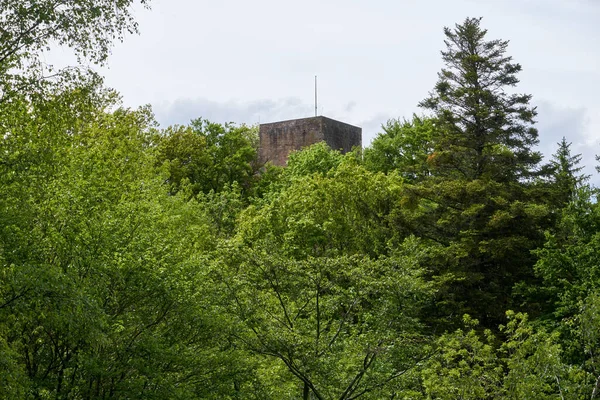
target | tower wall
x=278, y=139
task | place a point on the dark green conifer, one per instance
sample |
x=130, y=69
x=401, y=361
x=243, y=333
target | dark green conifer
x=481, y=201
x=484, y=131
x=566, y=174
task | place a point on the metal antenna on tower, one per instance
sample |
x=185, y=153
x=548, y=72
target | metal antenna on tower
x=315, y=95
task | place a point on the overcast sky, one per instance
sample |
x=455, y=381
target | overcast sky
x=250, y=61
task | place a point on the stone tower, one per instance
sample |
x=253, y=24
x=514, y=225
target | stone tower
x=278, y=139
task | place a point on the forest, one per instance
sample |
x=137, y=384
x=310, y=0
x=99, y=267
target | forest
x=446, y=260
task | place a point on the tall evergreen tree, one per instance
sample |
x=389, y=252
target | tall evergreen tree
x=480, y=200
x=483, y=131
x=566, y=173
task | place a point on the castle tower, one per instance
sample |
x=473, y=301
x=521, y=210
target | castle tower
x=278, y=139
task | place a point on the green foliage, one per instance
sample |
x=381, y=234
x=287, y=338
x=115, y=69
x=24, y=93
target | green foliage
x=567, y=261
x=465, y=368
x=526, y=365
x=533, y=359
x=99, y=290
x=570, y=277
x=13, y=379
x=29, y=26
x=590, y=340
x=341, y=213
x=343, y=327
x=186, y=156
x=208, y=156
x=269, y=182
x=404, y=146
x=566, y=174
x=223, y=208
x=486, y=231
x=318, y=158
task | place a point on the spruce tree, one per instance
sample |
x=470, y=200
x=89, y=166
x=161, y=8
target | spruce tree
x=566, y=174
x=483, y=130
x=481, y=201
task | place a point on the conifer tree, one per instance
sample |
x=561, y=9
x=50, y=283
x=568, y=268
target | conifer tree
x=483, y=131
x=481, y=201
x=566, y=173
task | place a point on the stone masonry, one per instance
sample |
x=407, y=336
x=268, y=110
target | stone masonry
x=278, y=139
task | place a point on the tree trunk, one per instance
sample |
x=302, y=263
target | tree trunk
x=306, y=392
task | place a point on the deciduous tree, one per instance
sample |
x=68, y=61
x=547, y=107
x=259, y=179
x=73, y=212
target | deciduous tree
x=209, y=156
x=404, y=146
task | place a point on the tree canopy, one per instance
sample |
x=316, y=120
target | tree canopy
x=444, y=261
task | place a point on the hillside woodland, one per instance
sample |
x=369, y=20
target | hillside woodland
x=447, y=260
